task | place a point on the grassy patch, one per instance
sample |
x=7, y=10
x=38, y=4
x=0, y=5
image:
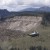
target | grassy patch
x=24, y=42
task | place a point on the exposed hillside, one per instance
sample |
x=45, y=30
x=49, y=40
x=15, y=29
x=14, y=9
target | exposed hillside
x=22, y=23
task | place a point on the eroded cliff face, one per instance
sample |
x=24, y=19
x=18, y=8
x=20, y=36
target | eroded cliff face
x=22, y=23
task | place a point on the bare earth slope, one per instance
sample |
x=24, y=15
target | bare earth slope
x=22, y=23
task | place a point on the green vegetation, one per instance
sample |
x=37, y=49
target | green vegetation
x=46, y=19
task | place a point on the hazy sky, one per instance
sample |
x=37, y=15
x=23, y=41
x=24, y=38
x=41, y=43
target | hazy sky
x=16, y=5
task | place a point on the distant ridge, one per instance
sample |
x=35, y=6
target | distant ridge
x=4, y=13
x=29, y=9
x=44, y=9
x=41, y=9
